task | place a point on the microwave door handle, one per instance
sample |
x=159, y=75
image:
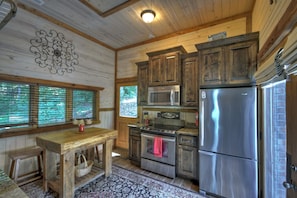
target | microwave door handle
x=171, y=96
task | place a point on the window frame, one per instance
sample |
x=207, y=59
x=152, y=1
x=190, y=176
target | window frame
x=34, y=84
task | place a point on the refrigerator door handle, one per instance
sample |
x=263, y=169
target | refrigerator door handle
x=202, y=124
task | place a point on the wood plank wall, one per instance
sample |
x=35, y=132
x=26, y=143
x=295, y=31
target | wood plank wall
x=96, y=68
x=266, y=17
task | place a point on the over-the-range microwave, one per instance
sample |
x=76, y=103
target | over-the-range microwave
x=164, y=95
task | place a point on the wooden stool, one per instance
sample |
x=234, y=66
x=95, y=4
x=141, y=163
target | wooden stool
x=24, y=154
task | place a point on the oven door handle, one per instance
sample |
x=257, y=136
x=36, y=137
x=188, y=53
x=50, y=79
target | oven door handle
x=163, y=138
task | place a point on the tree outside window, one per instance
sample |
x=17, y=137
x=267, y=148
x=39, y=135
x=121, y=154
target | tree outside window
x=128, y=101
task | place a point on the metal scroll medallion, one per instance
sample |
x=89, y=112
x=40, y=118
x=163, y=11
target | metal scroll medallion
x=54, y=52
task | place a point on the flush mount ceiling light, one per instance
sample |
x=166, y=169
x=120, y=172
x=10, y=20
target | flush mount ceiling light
x=148, y=16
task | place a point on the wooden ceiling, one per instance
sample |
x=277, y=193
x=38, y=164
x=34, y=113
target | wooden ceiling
x=117, y=24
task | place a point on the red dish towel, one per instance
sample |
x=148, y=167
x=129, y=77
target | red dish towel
x=158, y=147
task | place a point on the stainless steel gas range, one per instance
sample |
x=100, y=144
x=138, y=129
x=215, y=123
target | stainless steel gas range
x=158, y=145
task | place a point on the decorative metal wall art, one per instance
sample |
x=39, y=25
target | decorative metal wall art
x=54, y=52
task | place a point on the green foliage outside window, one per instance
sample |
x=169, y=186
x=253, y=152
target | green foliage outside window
x=52, y=103
x=128, y=101
x=83, y=102
x=27, y=105
x=14, y=103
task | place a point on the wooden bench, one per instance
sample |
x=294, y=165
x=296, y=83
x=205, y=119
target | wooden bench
x=16, y=158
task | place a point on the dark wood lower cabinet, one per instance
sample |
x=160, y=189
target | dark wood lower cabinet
x=187, y=157
x=134, y=145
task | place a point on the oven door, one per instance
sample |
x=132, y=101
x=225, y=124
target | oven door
x=168, y=148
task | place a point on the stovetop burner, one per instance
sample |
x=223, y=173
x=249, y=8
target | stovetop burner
x=164, y=126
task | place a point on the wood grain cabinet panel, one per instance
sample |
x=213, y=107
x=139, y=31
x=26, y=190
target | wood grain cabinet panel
x=187, y=157
x=230, y=61
x=165, y=67
x=134, y=145
x=190, y=80
x=241, y=62
x=142, y=82
x=156, y=71
x=212, y=64
x=172, y=65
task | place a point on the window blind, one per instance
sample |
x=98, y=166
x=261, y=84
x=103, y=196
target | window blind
x=269, y=72
x=83, y=104
x=28, y=103
x=51, y=105
x=14, y=104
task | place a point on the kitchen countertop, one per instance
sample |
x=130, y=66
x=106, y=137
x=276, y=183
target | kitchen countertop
x=188, y=131
x=135, y=125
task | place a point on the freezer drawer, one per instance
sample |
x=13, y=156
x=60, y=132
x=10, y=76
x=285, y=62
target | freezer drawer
x=228, y=176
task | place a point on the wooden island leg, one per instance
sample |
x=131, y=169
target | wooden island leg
x=107, y=157
x=67, y=183
x=49, y=171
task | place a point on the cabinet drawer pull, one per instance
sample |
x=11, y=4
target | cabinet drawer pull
x=186, y=140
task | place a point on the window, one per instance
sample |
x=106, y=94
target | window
x=14, y=104
x=83, y=104
x=51, y=105
x=28, y=106
x=128, y=101
x=274, y=139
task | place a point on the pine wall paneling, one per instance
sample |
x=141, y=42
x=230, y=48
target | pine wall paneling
x=96, y=68
x=264, y=19
x=266, y=16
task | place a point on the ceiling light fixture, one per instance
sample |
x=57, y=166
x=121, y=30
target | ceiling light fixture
x=148, y=16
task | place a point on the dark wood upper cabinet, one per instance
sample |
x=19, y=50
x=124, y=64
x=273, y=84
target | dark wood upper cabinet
x=212, y=66
x=190, y=80
x=165, y=67
x=230, y=61
x=242, y=62
x=142, y=82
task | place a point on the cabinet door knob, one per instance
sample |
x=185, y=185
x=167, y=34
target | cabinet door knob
x=289, y=185
x=294, y=168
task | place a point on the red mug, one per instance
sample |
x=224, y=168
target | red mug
x=81, y=128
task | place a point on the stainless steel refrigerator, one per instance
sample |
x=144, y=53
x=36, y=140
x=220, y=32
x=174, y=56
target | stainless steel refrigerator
x=228, y=164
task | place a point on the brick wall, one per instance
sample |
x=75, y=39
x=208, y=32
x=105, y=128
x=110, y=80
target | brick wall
x=279, y=139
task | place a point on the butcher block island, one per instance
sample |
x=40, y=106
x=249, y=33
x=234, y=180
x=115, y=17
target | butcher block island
x=66, y=143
